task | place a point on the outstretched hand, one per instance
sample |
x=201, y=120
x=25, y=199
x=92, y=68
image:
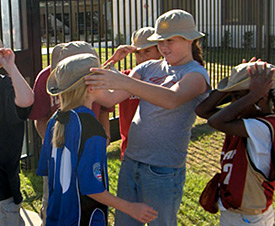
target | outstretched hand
x=260, y=82
x=253, y=59
x=142, y=212
x=121, y=52
x=6, y=57
x=106, y=79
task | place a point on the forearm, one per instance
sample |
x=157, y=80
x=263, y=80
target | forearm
x=189, y=87
x=208, y=107
x=108, y=199
x=24, y=96
x=154, y=94
x=231, y=112
x=109, y=98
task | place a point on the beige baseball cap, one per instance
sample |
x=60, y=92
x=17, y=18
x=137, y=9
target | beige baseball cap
x=240, y=79
x=69, y=73
x=139, y=38
x=173, y=23
x=64, y=50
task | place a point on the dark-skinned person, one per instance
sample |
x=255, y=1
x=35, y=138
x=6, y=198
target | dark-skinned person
x=247, y=178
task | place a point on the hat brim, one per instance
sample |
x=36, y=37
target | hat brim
x=187, y=35
x=52, y=87
x=145, y=46
x=242, y=85
x=224, y=87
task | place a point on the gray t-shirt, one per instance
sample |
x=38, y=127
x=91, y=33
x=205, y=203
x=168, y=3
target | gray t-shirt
x=159, y=136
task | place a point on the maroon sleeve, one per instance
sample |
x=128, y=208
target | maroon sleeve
x=42, y=102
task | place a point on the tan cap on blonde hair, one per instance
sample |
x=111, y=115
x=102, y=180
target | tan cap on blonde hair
x=63, y=50
x=69, y=73
x=139, y=38
x=173, y=23
x=239, y=78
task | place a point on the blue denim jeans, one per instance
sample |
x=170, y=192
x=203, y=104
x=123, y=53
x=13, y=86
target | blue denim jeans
x=159, y=187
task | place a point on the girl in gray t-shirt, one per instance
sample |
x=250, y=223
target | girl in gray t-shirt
x=153, y=168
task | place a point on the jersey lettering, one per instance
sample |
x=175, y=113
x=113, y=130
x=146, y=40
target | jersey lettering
x=227, y=168
x=229, y=155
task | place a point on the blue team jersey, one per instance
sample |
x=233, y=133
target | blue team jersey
x=77, y=169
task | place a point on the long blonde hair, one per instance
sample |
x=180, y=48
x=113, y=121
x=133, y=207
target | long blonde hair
x=68, y=100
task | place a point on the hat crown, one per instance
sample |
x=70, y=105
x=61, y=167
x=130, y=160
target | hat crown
x=139, y=38
x=239, y=78
x=175, y=19
x=64, y=50
x=176, y=22
x=70, y=71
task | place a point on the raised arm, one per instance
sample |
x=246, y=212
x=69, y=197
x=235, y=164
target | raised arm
x=209, y=106
x=24, y=96
x=121, y=52
x=190, y=86
x=229, y=119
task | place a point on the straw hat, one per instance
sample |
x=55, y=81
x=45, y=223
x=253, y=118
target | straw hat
x=64, y=50
x=69, y=73
x=175, y=22
x=239, y=78
x=139, y=38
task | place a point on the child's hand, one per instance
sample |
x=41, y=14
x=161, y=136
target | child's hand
x=105, y=79
x=260, y=82
x=142, y=212
x=253, y=59
x=121, y=52
x=6, y=57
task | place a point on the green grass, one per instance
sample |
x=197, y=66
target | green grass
x=202, y=163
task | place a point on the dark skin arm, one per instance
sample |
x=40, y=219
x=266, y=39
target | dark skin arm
x=228, y=119
x=209, y=106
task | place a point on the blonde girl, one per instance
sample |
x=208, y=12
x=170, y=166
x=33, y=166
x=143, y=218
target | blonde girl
x=74, y=152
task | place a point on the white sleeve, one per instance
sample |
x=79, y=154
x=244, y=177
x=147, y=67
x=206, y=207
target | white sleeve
x=259, y=144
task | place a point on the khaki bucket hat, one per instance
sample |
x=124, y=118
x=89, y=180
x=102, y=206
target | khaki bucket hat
x=139, y=38
x=240, y=79
x=173, y=23
x=69, y=73
x=64, y=50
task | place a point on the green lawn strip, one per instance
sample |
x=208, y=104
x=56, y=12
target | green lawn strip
x=202, y=163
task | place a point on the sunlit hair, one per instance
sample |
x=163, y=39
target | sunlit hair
x=197, y=52
x=68, y=101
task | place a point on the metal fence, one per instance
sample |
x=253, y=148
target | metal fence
x=235, y=29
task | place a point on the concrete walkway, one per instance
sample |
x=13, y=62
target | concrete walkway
x=30, y=218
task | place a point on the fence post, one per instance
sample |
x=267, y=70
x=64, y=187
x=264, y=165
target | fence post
x=267, y=5
x=259, y=30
